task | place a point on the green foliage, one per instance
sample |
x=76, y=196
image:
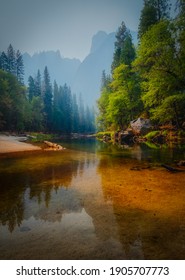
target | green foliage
x=160, y=65
x=120, y=102
x=154, y=83
x=40, y=137
x=12, y=103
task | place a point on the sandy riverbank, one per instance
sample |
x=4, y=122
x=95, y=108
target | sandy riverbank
x=11, y=144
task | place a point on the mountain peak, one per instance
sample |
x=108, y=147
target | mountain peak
x=97, y=40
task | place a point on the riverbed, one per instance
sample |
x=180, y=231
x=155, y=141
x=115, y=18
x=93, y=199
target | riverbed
x=92, y=201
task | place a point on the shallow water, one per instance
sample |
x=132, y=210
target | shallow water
x=92, y=201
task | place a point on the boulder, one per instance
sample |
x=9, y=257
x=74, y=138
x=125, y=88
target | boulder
x=141, y=126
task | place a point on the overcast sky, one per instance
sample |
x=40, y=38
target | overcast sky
x=65, y=25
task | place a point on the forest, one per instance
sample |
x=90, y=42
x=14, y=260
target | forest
x=40, y=106
x=148, y=80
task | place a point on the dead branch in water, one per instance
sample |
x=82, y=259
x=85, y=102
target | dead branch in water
x=171, y=169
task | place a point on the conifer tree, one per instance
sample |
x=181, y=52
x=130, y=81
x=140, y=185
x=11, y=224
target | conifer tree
x=31, y=88
x=38, y=89
x=4, y=62
x=124, y=50
x=11, y=60
x=152, y=12
x=47, y=99
x=75, y=114
x=19, y=67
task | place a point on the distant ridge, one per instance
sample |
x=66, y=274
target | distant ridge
x=60, y=69
x=83, y=77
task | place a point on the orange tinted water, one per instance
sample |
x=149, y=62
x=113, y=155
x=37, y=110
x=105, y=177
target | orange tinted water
x=84, y=205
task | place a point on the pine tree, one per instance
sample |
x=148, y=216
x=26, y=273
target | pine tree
x=75, y=114
x=47, y=99
x=120, y=39
x=4, y=62
x=152, y=12
x=81, y=115
x=19, y=67
x=38, y=90
x=124, y=50
x=55, y=95
x=128, y=51
x=65, y=108
x=31, y=88
x=11, y=60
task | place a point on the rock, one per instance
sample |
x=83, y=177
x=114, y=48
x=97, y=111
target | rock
x=141, y=126
x=54, y=146
x=106, y=138
x=23, y=229
x=123, y=137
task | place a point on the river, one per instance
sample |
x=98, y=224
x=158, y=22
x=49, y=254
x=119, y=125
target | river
x=92, y=201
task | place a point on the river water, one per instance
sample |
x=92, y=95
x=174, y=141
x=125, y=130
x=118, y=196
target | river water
x=92, y=201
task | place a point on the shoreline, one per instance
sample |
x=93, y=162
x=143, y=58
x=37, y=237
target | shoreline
x=13, y=144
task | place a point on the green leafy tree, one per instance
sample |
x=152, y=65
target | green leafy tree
x=102, y=102
x=124, y=101
x=162, y=72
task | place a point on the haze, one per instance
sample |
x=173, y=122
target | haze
x=65, y=25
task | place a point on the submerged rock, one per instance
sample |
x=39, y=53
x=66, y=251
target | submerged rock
x=23, y=229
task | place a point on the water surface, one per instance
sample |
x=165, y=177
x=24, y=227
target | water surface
x=92, y=201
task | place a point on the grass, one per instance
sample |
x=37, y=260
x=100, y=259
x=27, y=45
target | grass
x=40, y=137
x=100, y=134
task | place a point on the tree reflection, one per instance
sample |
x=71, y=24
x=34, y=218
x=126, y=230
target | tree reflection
x=43, y=184
x=12, y=201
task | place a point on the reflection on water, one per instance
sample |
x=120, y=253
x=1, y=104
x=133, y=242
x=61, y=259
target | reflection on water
x=90, y=203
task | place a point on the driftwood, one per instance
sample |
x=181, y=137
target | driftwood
x=53, y=146
x=171, y=169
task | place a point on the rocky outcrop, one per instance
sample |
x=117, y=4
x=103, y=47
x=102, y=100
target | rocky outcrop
x=141, y=126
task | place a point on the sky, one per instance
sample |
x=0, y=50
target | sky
x=64, y=25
